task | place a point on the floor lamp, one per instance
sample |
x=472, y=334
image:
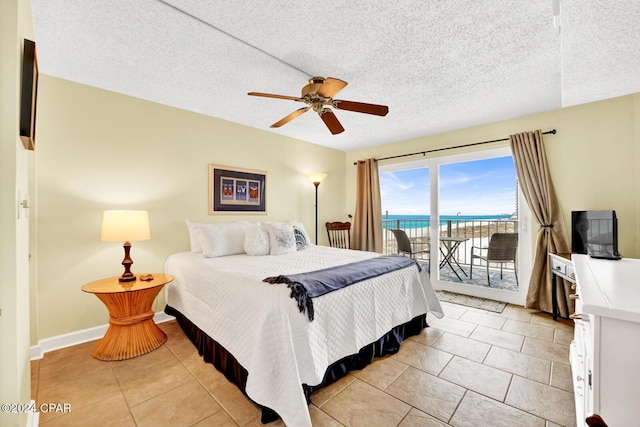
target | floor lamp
x=316, y=178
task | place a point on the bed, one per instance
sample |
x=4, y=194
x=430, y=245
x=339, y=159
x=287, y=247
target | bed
x=256, y=335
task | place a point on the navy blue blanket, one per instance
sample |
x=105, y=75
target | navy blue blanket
x=305, y=286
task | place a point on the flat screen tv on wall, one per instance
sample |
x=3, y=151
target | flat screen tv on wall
x=595, y=233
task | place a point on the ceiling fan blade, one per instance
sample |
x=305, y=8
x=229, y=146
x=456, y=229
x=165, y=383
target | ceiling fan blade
x=361, y=107
x=331, y=121
x=331, y=86
x=290, y=117
x=270, y=95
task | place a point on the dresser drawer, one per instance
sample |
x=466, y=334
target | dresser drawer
x=559, y=266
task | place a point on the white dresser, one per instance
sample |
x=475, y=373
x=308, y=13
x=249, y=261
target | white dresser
x=605, y=352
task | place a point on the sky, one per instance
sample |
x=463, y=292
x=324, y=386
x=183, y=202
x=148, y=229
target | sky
x=478, y=187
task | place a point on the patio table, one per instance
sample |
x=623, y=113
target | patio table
x=450, y=244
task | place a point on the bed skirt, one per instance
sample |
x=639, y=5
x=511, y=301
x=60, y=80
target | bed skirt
x=214, y=353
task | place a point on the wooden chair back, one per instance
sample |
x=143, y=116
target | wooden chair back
x=339, y=234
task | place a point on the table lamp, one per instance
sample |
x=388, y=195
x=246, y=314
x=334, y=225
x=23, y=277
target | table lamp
x=127, y=226
x=316, y=178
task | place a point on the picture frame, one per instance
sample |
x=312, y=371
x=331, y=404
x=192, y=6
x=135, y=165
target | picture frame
x=233, y=190
x=29, y=95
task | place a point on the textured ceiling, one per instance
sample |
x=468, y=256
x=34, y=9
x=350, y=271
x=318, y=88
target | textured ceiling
x=439, y=65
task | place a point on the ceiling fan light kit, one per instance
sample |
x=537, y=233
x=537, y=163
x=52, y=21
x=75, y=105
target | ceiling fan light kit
x=318, y=95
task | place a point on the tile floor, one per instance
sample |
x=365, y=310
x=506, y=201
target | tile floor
x=471, y=368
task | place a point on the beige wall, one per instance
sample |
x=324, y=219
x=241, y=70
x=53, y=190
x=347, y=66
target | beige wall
x=15, y=372
x=594, y=158
x=100, y=150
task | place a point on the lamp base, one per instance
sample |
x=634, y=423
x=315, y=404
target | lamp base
x=127, y=276
x=123, y=278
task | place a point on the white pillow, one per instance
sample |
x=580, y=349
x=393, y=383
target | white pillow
x=300, y=234
x=281, y=238
x=223, y=239
x=195, y=232
x=256, y=240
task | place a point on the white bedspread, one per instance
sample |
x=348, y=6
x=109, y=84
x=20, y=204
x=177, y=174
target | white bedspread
x=259, y=323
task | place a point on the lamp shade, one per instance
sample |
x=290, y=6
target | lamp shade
x=125, y=226
x=316, y=178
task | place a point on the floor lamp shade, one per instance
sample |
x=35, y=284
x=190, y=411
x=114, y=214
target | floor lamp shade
x=316, y=178
x=125, y=226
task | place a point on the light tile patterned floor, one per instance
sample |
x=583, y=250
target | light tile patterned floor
x=471, y=368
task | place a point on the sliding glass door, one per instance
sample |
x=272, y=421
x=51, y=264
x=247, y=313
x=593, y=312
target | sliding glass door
x=467, y=203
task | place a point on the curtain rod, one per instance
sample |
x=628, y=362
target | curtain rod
x=552, y=131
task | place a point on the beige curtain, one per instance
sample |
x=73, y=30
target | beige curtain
x=367, y=223
x=533, y=175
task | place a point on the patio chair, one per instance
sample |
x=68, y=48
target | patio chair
x=405, y=246
x=339, y=234
x=502, y=249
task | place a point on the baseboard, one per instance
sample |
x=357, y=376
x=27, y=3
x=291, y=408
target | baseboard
x=33, y=418
x=79, y=337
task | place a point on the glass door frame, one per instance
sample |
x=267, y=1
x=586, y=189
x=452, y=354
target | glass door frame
x=525, y=244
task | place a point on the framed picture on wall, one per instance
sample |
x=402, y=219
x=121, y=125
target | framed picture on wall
x=29, y=95
x=233, y=190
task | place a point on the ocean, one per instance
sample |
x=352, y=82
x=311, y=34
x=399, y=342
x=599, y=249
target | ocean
x=421, y=221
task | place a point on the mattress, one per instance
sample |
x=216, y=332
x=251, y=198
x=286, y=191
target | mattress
x=260, y=324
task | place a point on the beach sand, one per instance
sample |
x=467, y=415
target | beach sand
x=478, y=231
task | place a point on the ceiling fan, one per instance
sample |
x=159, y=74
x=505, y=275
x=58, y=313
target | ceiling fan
x=318, y=94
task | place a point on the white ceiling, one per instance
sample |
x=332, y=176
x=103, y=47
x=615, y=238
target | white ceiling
x=439, y=65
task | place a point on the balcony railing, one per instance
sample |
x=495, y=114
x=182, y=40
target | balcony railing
x=476, y=233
